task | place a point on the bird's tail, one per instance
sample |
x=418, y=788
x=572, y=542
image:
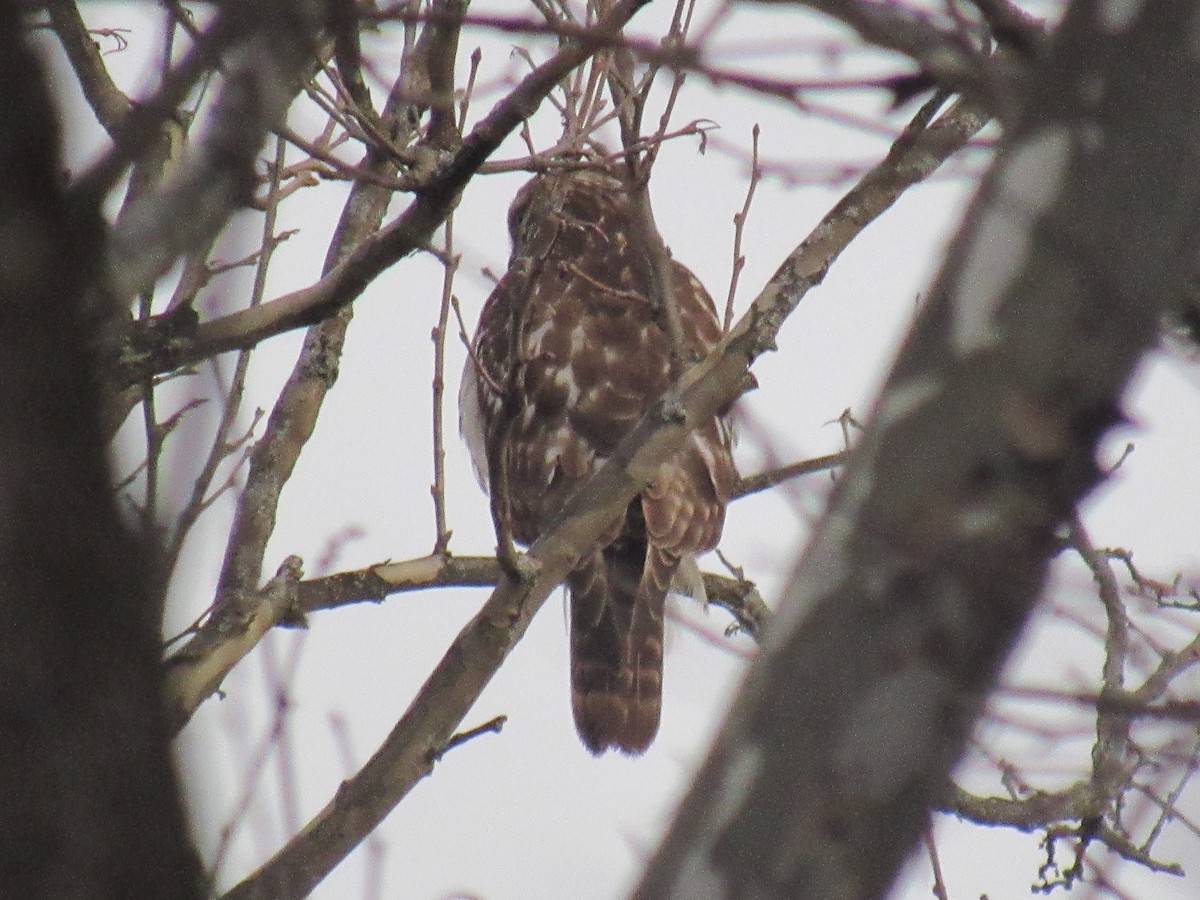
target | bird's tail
x=617, y=598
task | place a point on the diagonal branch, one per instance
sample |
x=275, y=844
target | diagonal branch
x=108, y=102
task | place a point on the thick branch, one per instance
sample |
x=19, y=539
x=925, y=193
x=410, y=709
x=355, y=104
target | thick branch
x=195, y=671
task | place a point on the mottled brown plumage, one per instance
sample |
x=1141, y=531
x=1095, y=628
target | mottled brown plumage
x=574, y=347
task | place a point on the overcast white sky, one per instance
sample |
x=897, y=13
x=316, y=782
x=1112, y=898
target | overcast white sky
x=529, y=814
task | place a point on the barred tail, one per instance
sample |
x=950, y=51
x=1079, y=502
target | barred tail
x=617, y=598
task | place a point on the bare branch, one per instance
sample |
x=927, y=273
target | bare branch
x=753, y=484
x=945, y=55
x=492, y=726
x=442, y=532
x=294, y=415
x=209, y=656
x=739, y=225
x=218, y=644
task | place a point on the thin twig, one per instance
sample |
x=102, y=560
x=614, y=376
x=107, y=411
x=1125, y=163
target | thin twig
x=492, y=726
x=739, y=224
x=939, y=883
x=438, y=490
x=222, y=448
x=753, y=484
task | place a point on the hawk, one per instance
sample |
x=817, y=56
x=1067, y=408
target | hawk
x=571, y=350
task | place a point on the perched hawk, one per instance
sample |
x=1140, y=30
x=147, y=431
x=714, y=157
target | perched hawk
x=571, y=350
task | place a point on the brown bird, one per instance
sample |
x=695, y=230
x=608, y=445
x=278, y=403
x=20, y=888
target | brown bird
x=572, y=348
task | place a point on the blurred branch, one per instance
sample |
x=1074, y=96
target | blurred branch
x=90, y=801
x=347, y=52
x=218, y=177
x=1012, y=26
x=1159, y=707
x=140, y=127
x=950, y=57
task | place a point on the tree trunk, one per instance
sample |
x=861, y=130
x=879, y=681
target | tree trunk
x=90, y=804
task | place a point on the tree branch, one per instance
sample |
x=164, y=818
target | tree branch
x=91, y=805
x=196, y=670
x=295, y=413
x=949, y=57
